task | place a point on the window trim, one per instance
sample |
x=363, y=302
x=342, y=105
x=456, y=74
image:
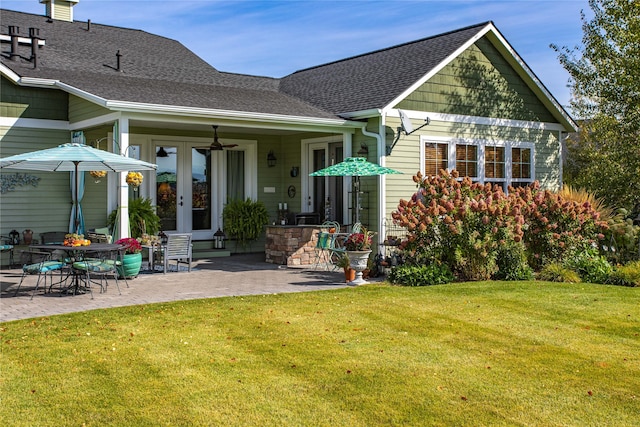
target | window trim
x=482, y=144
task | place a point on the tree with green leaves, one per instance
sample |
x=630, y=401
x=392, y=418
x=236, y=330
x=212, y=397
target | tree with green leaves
x=604, y=157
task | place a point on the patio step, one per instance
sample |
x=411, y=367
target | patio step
x=204, y=249
x=210, y=253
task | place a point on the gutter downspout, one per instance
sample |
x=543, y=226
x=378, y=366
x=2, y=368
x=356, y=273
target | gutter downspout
x=382, y=193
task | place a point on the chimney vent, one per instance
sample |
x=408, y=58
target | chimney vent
x=118, y=56
x=34, y=35
x=14, y=33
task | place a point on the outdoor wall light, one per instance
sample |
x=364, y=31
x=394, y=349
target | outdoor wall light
x=271, y=159
x=363, y=151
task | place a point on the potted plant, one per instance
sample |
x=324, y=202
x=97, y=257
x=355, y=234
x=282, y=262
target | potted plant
x=132, y=258
x=358, y=249
x=344, y=263
x=142, y=218
x=244, y=220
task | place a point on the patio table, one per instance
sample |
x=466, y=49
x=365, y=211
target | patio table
x=76, y=253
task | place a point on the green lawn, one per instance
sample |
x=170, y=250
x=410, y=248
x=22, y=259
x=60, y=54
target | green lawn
x=472, y=354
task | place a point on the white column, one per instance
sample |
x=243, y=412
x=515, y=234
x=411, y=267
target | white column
x=347, y=143
x=122, y=138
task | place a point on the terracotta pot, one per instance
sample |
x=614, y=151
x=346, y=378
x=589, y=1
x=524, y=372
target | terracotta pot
x=349, y=274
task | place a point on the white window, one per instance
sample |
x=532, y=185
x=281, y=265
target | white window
x=502, y=163
x=436, y=158
x=467, y=160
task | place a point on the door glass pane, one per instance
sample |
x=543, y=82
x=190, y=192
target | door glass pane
x=200, y=188
x=334, y=209
x=166, y=187
x=319, y=162
x=235, y=175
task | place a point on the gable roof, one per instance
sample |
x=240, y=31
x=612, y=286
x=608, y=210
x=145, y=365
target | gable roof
x=372, y=80
x=158, y=72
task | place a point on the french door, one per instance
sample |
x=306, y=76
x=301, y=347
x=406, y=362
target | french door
x=325, y=192
x=183, y=188
x=194, y=182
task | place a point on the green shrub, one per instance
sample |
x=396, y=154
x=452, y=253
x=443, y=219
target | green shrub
x=590, y=267
x=142, y=218
x=556, y=272
x=626, y=275
x=512, y=263
x=420, y=275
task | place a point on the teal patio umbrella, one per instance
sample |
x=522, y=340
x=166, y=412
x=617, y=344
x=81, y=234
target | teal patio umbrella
x=355, y=167
x=75, y=158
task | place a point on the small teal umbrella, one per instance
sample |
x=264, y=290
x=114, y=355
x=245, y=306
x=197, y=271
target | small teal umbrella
x=355, y=167
x=74, y=157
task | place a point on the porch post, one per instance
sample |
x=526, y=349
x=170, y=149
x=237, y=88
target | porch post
x=347, y=142
x=122, y=139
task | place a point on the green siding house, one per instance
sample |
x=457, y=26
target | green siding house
x=461, y=100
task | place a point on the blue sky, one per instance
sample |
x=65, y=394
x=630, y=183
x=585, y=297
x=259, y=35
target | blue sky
x=277, y=37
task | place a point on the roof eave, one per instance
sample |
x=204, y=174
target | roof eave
x=140, y=107
x=136, y=107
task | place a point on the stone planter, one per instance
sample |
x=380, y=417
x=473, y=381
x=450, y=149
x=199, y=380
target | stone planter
x=358, y=261
x=130, y=267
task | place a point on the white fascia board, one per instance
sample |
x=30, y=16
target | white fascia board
x=18, y=122
x=9, y=74
x=475, y=120
x=437, y=68
x=200, y=112
x=96, y=121
x=36, y=82
x=82, y=94
x=363, y=114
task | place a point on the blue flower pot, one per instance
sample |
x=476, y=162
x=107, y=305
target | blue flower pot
x=130, y=267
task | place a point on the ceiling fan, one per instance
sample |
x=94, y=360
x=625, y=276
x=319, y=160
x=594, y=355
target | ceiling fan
x=216, y=145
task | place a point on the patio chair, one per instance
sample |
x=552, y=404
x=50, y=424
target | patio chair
x=40, y=264
x=9, y=249
x=326, y=244
x=98, y=265
x=179, y=249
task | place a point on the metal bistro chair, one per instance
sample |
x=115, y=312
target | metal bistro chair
x=179, y=249
x=325, y=244
x=99, y=265
x=41, y=264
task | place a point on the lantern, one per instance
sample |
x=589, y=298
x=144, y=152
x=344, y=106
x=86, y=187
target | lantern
x=218, y=239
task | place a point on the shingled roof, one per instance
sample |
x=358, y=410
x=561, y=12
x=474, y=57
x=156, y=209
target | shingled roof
x=155, y=69
x=374, y=79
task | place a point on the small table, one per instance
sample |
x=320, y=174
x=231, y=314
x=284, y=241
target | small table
x=151, y=248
